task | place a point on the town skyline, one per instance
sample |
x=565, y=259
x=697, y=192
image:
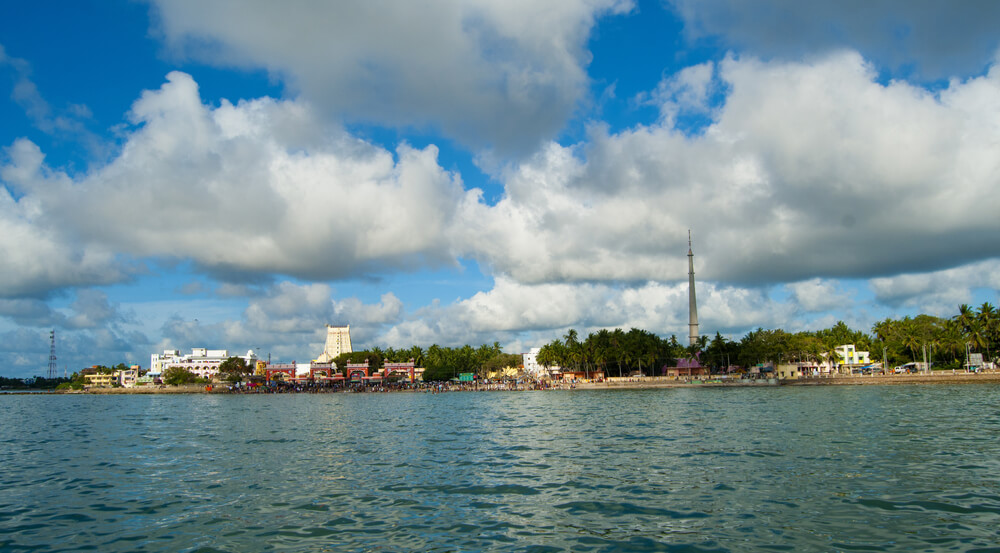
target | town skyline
x=176, y=176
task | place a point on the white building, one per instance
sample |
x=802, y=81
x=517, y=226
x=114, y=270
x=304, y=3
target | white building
x=202, y=362
x=533, y=369
x=850, y=357
x=128, y=377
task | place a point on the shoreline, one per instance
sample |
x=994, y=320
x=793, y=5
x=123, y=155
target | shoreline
x=610, y=384
x=886, y=380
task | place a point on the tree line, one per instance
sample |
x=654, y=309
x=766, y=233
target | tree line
x=639, y=352
x=946, y=342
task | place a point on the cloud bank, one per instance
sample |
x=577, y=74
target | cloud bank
x=503, y=75
x=806, y=170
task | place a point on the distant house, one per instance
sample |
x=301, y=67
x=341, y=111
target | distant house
x=100, y=380
x=686, y=367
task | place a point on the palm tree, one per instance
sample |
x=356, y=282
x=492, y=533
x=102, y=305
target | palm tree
x=966, y=317
x=912, y=342
x=417, y=354
x=987, y=319
x=617, y=340
x=832, y=355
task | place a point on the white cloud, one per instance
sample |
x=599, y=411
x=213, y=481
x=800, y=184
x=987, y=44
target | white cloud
x=809, y=170
x=938, y=292
x=39, y=253
x=818, y=295
x=30, y=312
x=247, y=189
x=503, y=74
x=92, y=309
x=689, y=91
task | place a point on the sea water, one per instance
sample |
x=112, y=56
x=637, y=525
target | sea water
x=867, y=468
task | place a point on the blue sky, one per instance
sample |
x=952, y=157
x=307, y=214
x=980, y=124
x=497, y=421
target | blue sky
x=238, y=174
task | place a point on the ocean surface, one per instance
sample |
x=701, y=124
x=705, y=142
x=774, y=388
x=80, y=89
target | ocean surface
x=867, y=468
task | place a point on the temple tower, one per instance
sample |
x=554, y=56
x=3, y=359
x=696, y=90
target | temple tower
x=338, y=340
x=692, y=302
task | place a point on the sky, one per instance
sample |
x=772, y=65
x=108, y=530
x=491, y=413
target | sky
x=236, y=174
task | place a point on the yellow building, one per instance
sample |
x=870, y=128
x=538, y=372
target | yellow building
x=100, y=380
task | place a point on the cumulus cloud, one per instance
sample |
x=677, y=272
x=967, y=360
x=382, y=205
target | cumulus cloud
x=932, y=39
x=30, y=312
x=937, y=292
x=92, y=309
x=39, y=253
x=818, y=295
x=808, y=170
x=500, y=74
x=242, y=190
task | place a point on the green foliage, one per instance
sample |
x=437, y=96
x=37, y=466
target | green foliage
x=500, y=362
x=34, y=383
x=234, y=369
x=178, y=375
x=612, y=353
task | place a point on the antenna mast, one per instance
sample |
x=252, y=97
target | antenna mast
x=52, y=355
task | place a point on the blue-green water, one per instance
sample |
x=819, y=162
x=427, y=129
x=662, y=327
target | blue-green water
x=873, y=468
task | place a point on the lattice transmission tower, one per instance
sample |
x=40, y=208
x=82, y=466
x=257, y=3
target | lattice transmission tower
x=52, y=354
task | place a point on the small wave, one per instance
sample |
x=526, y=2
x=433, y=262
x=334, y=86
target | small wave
x=616, y=509
x=502, y=489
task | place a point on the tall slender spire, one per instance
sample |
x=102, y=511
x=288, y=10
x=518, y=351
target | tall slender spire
x=692, y=302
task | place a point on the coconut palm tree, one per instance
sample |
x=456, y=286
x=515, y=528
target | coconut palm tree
x=987, y=319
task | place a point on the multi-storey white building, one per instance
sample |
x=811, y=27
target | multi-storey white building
x=850, y=357
x=202, y=362
x=532, y=368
